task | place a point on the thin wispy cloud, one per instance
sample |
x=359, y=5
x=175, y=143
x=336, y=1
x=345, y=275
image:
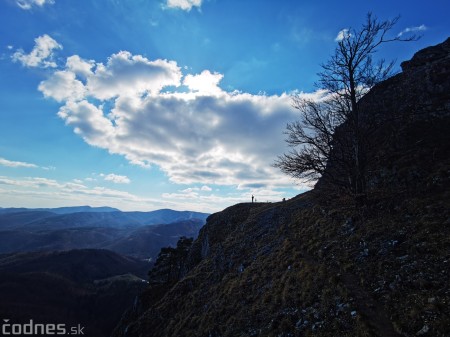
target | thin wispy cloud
x=117, y=179
x=28, y=4
x=53, y=193
x=185, y=5
x=41, y=55
x=10, y=163
x=420, y=28
x=34, y=182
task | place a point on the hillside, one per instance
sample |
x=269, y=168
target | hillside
x=87, y=287
x=317, y=265
x=47, y=275
x=142, y=242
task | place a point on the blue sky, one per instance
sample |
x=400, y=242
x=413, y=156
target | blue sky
x=177, y=104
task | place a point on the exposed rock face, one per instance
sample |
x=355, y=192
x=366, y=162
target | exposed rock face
x=398, y=116
x=312, y=266
x=421, y=91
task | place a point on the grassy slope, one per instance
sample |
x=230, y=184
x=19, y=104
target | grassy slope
x=317, y=265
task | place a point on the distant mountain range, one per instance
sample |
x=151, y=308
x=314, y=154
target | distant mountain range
x=82, y=265
x=86, y=216
x=140, y=234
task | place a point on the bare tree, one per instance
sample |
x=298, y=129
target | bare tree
x=335, y=127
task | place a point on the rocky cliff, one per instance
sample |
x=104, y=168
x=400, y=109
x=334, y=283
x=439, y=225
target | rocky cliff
x=320, y=266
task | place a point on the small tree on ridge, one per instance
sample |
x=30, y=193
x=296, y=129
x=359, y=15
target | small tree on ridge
x=334, y=127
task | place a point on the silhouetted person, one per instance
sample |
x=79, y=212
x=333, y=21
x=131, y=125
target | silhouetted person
x=253, y=198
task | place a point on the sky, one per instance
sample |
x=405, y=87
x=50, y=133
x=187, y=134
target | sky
x=181, y=104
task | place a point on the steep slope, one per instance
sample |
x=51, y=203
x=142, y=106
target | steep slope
x=320, y=266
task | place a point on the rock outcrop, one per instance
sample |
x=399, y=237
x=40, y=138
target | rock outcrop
x=315, y=266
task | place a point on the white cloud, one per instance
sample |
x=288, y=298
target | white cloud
x=79, y=66
x=204, y=83
x=42, y=192
x=28, y=4
x=204, y=188
x=190, y=128
x=184, y=4
x=420, y=28
x=33, y=182
x=9, y=163
x=63, y=86
x=89, y=122
x=41, y=55
x=128, y=75
x=117, y=179
x=343, y=34
x=48, y=168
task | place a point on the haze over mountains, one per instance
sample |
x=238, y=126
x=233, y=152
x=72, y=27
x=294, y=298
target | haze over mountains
x=140, y=234
x=60, y=210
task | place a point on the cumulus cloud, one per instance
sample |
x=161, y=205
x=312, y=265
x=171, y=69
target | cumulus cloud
x=185, y=124
x=204, y=83
x=28, y=4
x=9, y=163
x=79, y=66
x=125, y=74
x=63, y=86
x=420, y=28
x=89, y=122
x=41, y=55
x=343, y=34
x=117, y=179
x=184, y=4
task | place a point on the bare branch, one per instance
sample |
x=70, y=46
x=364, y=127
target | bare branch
x=331, y=138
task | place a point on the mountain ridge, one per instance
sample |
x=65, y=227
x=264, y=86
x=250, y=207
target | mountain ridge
x=12, y=218
x=319, y=264
x=43, y=230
